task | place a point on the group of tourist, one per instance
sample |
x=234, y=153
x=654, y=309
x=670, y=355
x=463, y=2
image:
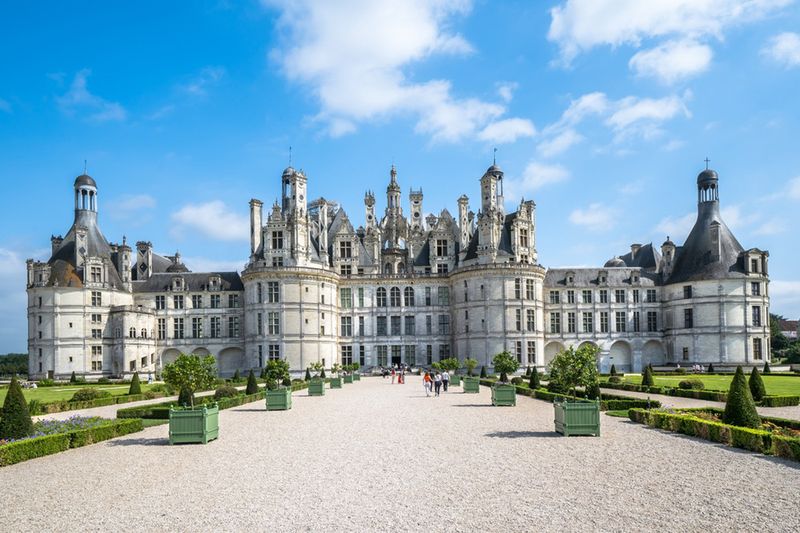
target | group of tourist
x=437, y=382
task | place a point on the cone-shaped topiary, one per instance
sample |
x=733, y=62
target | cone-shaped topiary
x=527, y=371
x=72, y=378
x=322, y=374
x=613, y=370
x=740, y=409
x=185, y=397
x=534, y=382
x=236, y=376
x=757, y=388
x=252, y=384
x=710, y=368
x=16, y=422
x=136, y=387
x=483, y=371
x=263, y=373
x=308, y=374
x=647, y=378
x=766, y=368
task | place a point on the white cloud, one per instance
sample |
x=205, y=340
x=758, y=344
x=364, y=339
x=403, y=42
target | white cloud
x=355, y=57
x=677, y=228
x=631, y=111
x=214, y=220
x=673, y=145
x=505, y=90
x=535, y=176
x=784, y=49
x=78, y=99
x=507, y=130
x=738, y=217
x=5, y=106
x=206, y=78
x=634, y=187
x=773, y=226
x=794, y=188
x=784, y=297
x=133, y=208
x=672, y=61
x=559, y=144
x=596, y=217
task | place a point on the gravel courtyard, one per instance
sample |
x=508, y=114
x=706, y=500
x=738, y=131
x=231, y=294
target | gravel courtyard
x=376, y=456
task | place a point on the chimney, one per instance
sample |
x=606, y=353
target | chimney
x=55, y=243
x=635, y=250
x=255, y=225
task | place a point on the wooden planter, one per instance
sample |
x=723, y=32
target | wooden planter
x=577, y=418
x=316, y=387
x=348, y=378
x=193, y=425
x=472, y=385
x=504, y=394
x=455, y=381
x=279, y=399
x=336, y=383
x=356, y=377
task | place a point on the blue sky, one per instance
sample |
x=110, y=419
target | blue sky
x=602, y=111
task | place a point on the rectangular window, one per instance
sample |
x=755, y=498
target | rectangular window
x=97, y=351
x=361, y=296
x=570, y=297
x=588, y=322
x=396, y=351
x=216, y=328
x=233, y=301
x=395, y=325
x=444, y=324
x=466, y=321
x=347, y=326
x=756, y=312
x=530, y=322
x=346, y=252
x=260, y=323
x=587, y=296
x=518, y=288
x=518, y=351
x=603, y=321
x=96, y=366
x=197, y=328
x=757, y=354
x=161, y=302
x=132, y=365
x=555, y=297
x=687, y=291
x=96, y=274
x=518, y=319
x=685, y=353
x=273, y=292
x=523, y=237
x=427, y=296
x=177, y=302
x=603, y=296
x=143, y=362
x=652, y=321
x=197, y=301
x=619, y=296
x=755, y=288
x=429, y=353
x=529, y=289
x=428, y=324
x=260, y=355
x=394, y=297
x=410, y=325
x=274, y=352
x=441, y=247
x=651, y=296
x=162, y=329
x=259, y=293
x=347, y=352
x=444, y=295
x=97, y=299
x=383, y=355
x=570, y=322
x=215, y=301
x=277, y=261
x=381, y=326
x=233, y=326
x=177, y=328
x=636, y=322
x=97, y=333
x=277, y=240
x=555, y=322
x=346, y=270
x=362, y=356
x=688, y=319
x=361, y=326
x=444, y=351
x=346, y=298
x=274, y=323
x=531, y=352
x=636, y=296
x=621, y=321
x=411, y=354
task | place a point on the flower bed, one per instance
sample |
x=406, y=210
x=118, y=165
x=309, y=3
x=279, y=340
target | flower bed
x=769, y=441
x=53, y=436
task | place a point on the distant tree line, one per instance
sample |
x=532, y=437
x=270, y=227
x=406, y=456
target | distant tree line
x=782, y=346
x=14, y=363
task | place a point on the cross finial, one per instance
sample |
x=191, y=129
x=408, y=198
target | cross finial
x=84, y=166
x=290, y=156
x=707, y=160
x=494, y=156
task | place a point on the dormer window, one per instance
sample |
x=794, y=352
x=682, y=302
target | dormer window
x=177, y=284
x=523, y=237
x=277, y=240
x=634, y=277
x=602, y=277
x=214, y=283
x=441, y=247
x=570, y=278
x=345, y=249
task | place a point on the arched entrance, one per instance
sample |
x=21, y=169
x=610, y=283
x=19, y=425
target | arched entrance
x=620, y=356
x=653, y=353
x=230, y=360
x=551, y=349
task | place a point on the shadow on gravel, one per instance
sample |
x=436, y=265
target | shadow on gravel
x=139, y=442
x=473, y=405
x=262, y=410
x=522, y=434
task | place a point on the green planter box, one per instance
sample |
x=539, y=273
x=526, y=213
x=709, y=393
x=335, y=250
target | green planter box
x=504, y=394
x=348, y=378
x=577, y=418
x=472, y=385
x=316, y=387
x=336, y=383
x=356, y=377
x=193, y=425
x=455, y=381
x=279, y=399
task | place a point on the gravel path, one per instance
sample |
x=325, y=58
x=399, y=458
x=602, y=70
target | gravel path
x=376, y=456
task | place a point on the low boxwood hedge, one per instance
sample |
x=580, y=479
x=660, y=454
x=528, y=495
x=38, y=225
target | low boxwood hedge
x=780, y=401
x=65, y=405
x=608, y=402
x=710, y=395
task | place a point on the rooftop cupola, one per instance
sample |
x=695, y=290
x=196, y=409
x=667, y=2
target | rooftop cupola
x=393, y=192
x=85, y=199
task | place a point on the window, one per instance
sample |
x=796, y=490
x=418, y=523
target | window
x=97, y=299
x=621, y=321
x=587, y=296
x=346, y=298
x=96, y=274
x=97, y=351
x=233, y=301
x=651, y=296
x=588, y=322
x=619, y=296
x=410, y=325
x=260, y=323
x=523, y=237
x=273, y=292
x=408, y=297
x=197, y=328
x=754, y=265
x=394, y=297
x=636, y=296
x=636, y=322
x=162, y=329
x=444, y=351
x=40, y=302
x=144, y=361
x=161, y=302
x=346, y=252
x=428, y=324
x=531, y=352
x=518, y=319
x=260, y=355
x=177, y=302
x=755, y=288
x=429, y=353
x=274, y=352
x=444, y=324
x=466, y=321
x=570, y=297
x=395, y=325
x=277, y=240
x=688, y=319
x=518, y=351
x=652, y=321
x=441, y=268
x=362, y=356
x=427, y=296
x=381, y=297
x=346, y=270
x=571, y=322
x=274, y=323
x=687, y=291
x=132, y=365
x=518, y=288
x=685, y=353
x=757, y=354
x=347, y=352
x=177, y=328
x=603, y=296
x=444, y=295
x=361, y=326
x=96, y=366
x=603, y=321
x=259, y=293
x=98, y=333
x=756, y=312
x=555, y=297
x=361, y=296
x=277, y=261
x=381, y=326
x=411, y=354
x=216, y=301
x=233, y=326
x=441, y=247
x=216, y=327
x=530, y=322
x=197, y=301
x=555, y=322
x=396, y=350
x=383, y=355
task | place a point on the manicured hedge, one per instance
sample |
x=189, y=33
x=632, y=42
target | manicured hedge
x=780, y=401
x=64, y=405
x=607, y=402
x=756, y=440
x=23, y=450
x=710, y=395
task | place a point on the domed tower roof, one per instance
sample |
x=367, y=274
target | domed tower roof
x=288, y=171
x=85, y=180
x=707, y=177
x=614, y=262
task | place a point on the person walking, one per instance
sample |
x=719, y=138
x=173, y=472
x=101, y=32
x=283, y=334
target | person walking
x=401, y=378
x=393, y=375
x=426, y=382
x=437, y=382
x=445, y=380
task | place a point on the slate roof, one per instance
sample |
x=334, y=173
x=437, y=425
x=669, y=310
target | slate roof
x=195, y=281
x=589, y=277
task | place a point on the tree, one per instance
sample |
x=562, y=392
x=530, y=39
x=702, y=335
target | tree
x=191, y=373
x=573, y=368
x=470, y=364
x=740, y=409
x=136, y=387
x=534, y=382
x=73, y=378
x=647, y=378
x=252, y=384
x=710, y=368
x=16, y=422
x=483, y=371
x=767, y=369
x=528, y=371
x=236, y=376
x=778, y=340
x=613, y=370
x=277, y=370
x=308, y=374
x=757, y=388
x=506, y=364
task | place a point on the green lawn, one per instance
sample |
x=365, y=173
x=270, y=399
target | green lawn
x=65, y=392
x=776, y=385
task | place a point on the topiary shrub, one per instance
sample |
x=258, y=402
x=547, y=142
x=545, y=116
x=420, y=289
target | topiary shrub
x=534, y=384
x=516, y=380
x=226, y=391
x=691, y=384
x=322, y=374
x=647, y=378
x=271, y=384
x=527, y=371
x=710, y=368
x=740, y=409
x=103, y=381
x=613, y=370
x=236, y=376
x=615, y=379
x=136, y=387
x=16, y=422
x=767, y=370
x=680, y=370
x=573, y=368
x=73, y=378
x=252, y=384
x=483, y=372
x=88, y=394
x=757, y=388
x=308, y=374
x=506, y=364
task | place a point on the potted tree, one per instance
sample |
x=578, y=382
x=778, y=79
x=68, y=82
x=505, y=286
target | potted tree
x=471, y=383
x=336, y=370
x=503, y=392
x=570, y=369
x=356, y=374
x=316, y=387
x=190, y=373
x=452, y=365
x=278, y=395
x=348, y=373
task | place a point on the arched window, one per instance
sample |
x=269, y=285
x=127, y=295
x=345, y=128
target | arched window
x=132, y=333
x=381, y=297
x=408, y=296
x=394, y=299
x=144, y=333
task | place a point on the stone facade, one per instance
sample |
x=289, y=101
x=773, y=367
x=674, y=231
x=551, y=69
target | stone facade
x=408, y=289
